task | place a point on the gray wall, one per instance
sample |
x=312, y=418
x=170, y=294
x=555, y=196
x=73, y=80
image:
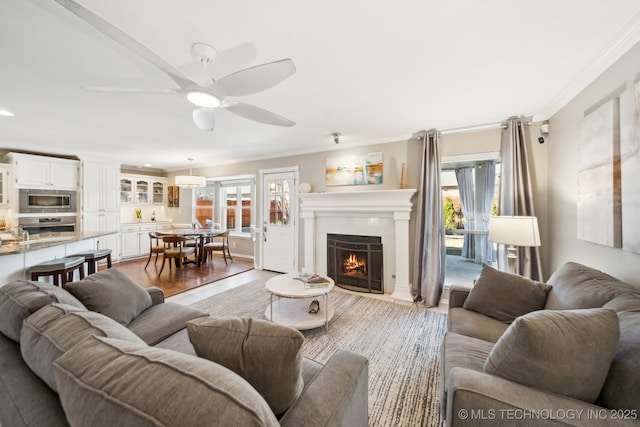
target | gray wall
x=562, y=163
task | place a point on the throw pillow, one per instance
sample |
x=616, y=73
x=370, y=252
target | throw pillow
x=565, y=352
x=54, y=329
x=113, y=294
x=19, y=299
x=265, y=354
x=505, y=296
x=151, y=386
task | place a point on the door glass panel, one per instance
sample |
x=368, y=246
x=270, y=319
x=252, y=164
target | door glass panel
x=279, y=201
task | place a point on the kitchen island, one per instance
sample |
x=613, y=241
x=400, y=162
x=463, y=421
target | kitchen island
x=17, y=256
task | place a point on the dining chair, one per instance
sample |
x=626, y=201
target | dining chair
x=174, y=249
x=220, y=246
x=155, y=247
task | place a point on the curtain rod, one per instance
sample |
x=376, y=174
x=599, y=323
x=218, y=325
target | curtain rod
x=484, y=126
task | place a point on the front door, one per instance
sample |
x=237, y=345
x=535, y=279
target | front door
x=279, y=222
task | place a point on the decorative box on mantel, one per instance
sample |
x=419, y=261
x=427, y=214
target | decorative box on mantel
x=383, y=213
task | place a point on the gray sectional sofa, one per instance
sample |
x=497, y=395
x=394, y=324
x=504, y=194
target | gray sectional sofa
x=524, y=353
x=106, y=351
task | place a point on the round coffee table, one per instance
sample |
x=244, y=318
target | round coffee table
x=291, y=308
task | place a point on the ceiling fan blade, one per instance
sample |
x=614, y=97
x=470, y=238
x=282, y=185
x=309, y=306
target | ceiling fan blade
x=126, y=90
x=125, y=40
x=256, y=79
x=257, y=114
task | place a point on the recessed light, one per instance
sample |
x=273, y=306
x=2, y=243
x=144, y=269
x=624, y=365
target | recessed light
x=147, y=165
x=6, y=113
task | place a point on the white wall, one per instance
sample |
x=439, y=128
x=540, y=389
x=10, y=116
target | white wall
x=563, y=143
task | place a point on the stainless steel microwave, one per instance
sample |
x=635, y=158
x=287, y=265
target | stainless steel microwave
x=47, y=201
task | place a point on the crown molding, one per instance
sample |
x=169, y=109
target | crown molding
x=626, y=38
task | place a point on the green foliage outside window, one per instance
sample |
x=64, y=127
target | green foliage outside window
x=449, y=214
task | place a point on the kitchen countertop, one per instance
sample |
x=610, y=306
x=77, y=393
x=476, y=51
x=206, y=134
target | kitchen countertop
x=41, y=241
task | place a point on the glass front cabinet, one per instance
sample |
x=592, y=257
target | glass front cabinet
x=4, y=179
x=159, y=190
x=141, y=189
x=126, y=190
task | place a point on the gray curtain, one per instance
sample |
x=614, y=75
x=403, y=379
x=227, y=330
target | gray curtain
x=466, y=188
x=485, y=190
x=516, y=196
x=429, y=253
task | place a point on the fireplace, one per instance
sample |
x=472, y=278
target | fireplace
x=355, y=262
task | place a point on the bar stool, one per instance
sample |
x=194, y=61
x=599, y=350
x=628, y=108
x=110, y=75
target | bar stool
x=62, y=268
x=92, y=258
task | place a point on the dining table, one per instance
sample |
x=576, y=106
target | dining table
x=201, y=235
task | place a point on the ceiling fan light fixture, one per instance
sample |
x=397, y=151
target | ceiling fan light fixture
x=204, y=118
x=203, y=99
x=190, y=181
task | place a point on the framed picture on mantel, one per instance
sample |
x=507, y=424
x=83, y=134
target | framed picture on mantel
x=354, y=170
x=173, y=196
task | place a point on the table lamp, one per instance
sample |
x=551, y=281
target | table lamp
x=514, y=231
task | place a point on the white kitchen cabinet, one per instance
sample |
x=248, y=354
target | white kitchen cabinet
x=135, y=238
x=5, y=199
x=142, y=189
x=129, y=241
x=158, y=190
x=100, y=187
x=100, y=202
x=33, y=171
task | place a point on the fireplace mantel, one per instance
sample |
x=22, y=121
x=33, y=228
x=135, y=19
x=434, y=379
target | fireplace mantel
x=377, y=201
x=387, y=213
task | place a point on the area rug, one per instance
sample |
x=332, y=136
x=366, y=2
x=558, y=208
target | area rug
x=401, y=342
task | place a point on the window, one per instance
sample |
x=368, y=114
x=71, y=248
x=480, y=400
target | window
x=227, y=203
x=237, y=207
x=204, y=206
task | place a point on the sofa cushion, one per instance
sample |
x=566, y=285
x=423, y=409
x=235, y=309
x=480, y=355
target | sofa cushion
x=130, y=384
x=265, y=354
x=578, y=286
x=565, y=352
x=459, y=351
x=113, y=294
x=476, y=325
x=19, y=299
x=163, y=320
x=622, y=388
x=625, y=302
x=25, y=400
x=505, y=296
x=54, y=329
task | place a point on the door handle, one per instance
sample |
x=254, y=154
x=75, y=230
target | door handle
x=264, y=231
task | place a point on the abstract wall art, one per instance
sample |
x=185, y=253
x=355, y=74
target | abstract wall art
x=354, y=170
x=630, y=167
x=598, y=216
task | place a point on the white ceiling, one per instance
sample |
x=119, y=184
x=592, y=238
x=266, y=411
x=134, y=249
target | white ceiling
x=376, y=71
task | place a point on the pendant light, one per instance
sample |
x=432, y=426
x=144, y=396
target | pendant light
x=190, y=181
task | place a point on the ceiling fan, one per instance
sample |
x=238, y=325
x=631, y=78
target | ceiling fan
x=201, y=90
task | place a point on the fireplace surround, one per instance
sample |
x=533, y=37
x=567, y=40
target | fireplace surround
x=383, y=213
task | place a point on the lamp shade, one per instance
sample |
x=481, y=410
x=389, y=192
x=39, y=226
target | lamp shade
x=190, y=181
x=514, y=230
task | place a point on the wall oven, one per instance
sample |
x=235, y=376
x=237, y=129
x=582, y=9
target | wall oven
x=46, y=225
x=33, y=201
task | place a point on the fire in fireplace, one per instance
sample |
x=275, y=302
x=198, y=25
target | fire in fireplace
x=355, y=262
